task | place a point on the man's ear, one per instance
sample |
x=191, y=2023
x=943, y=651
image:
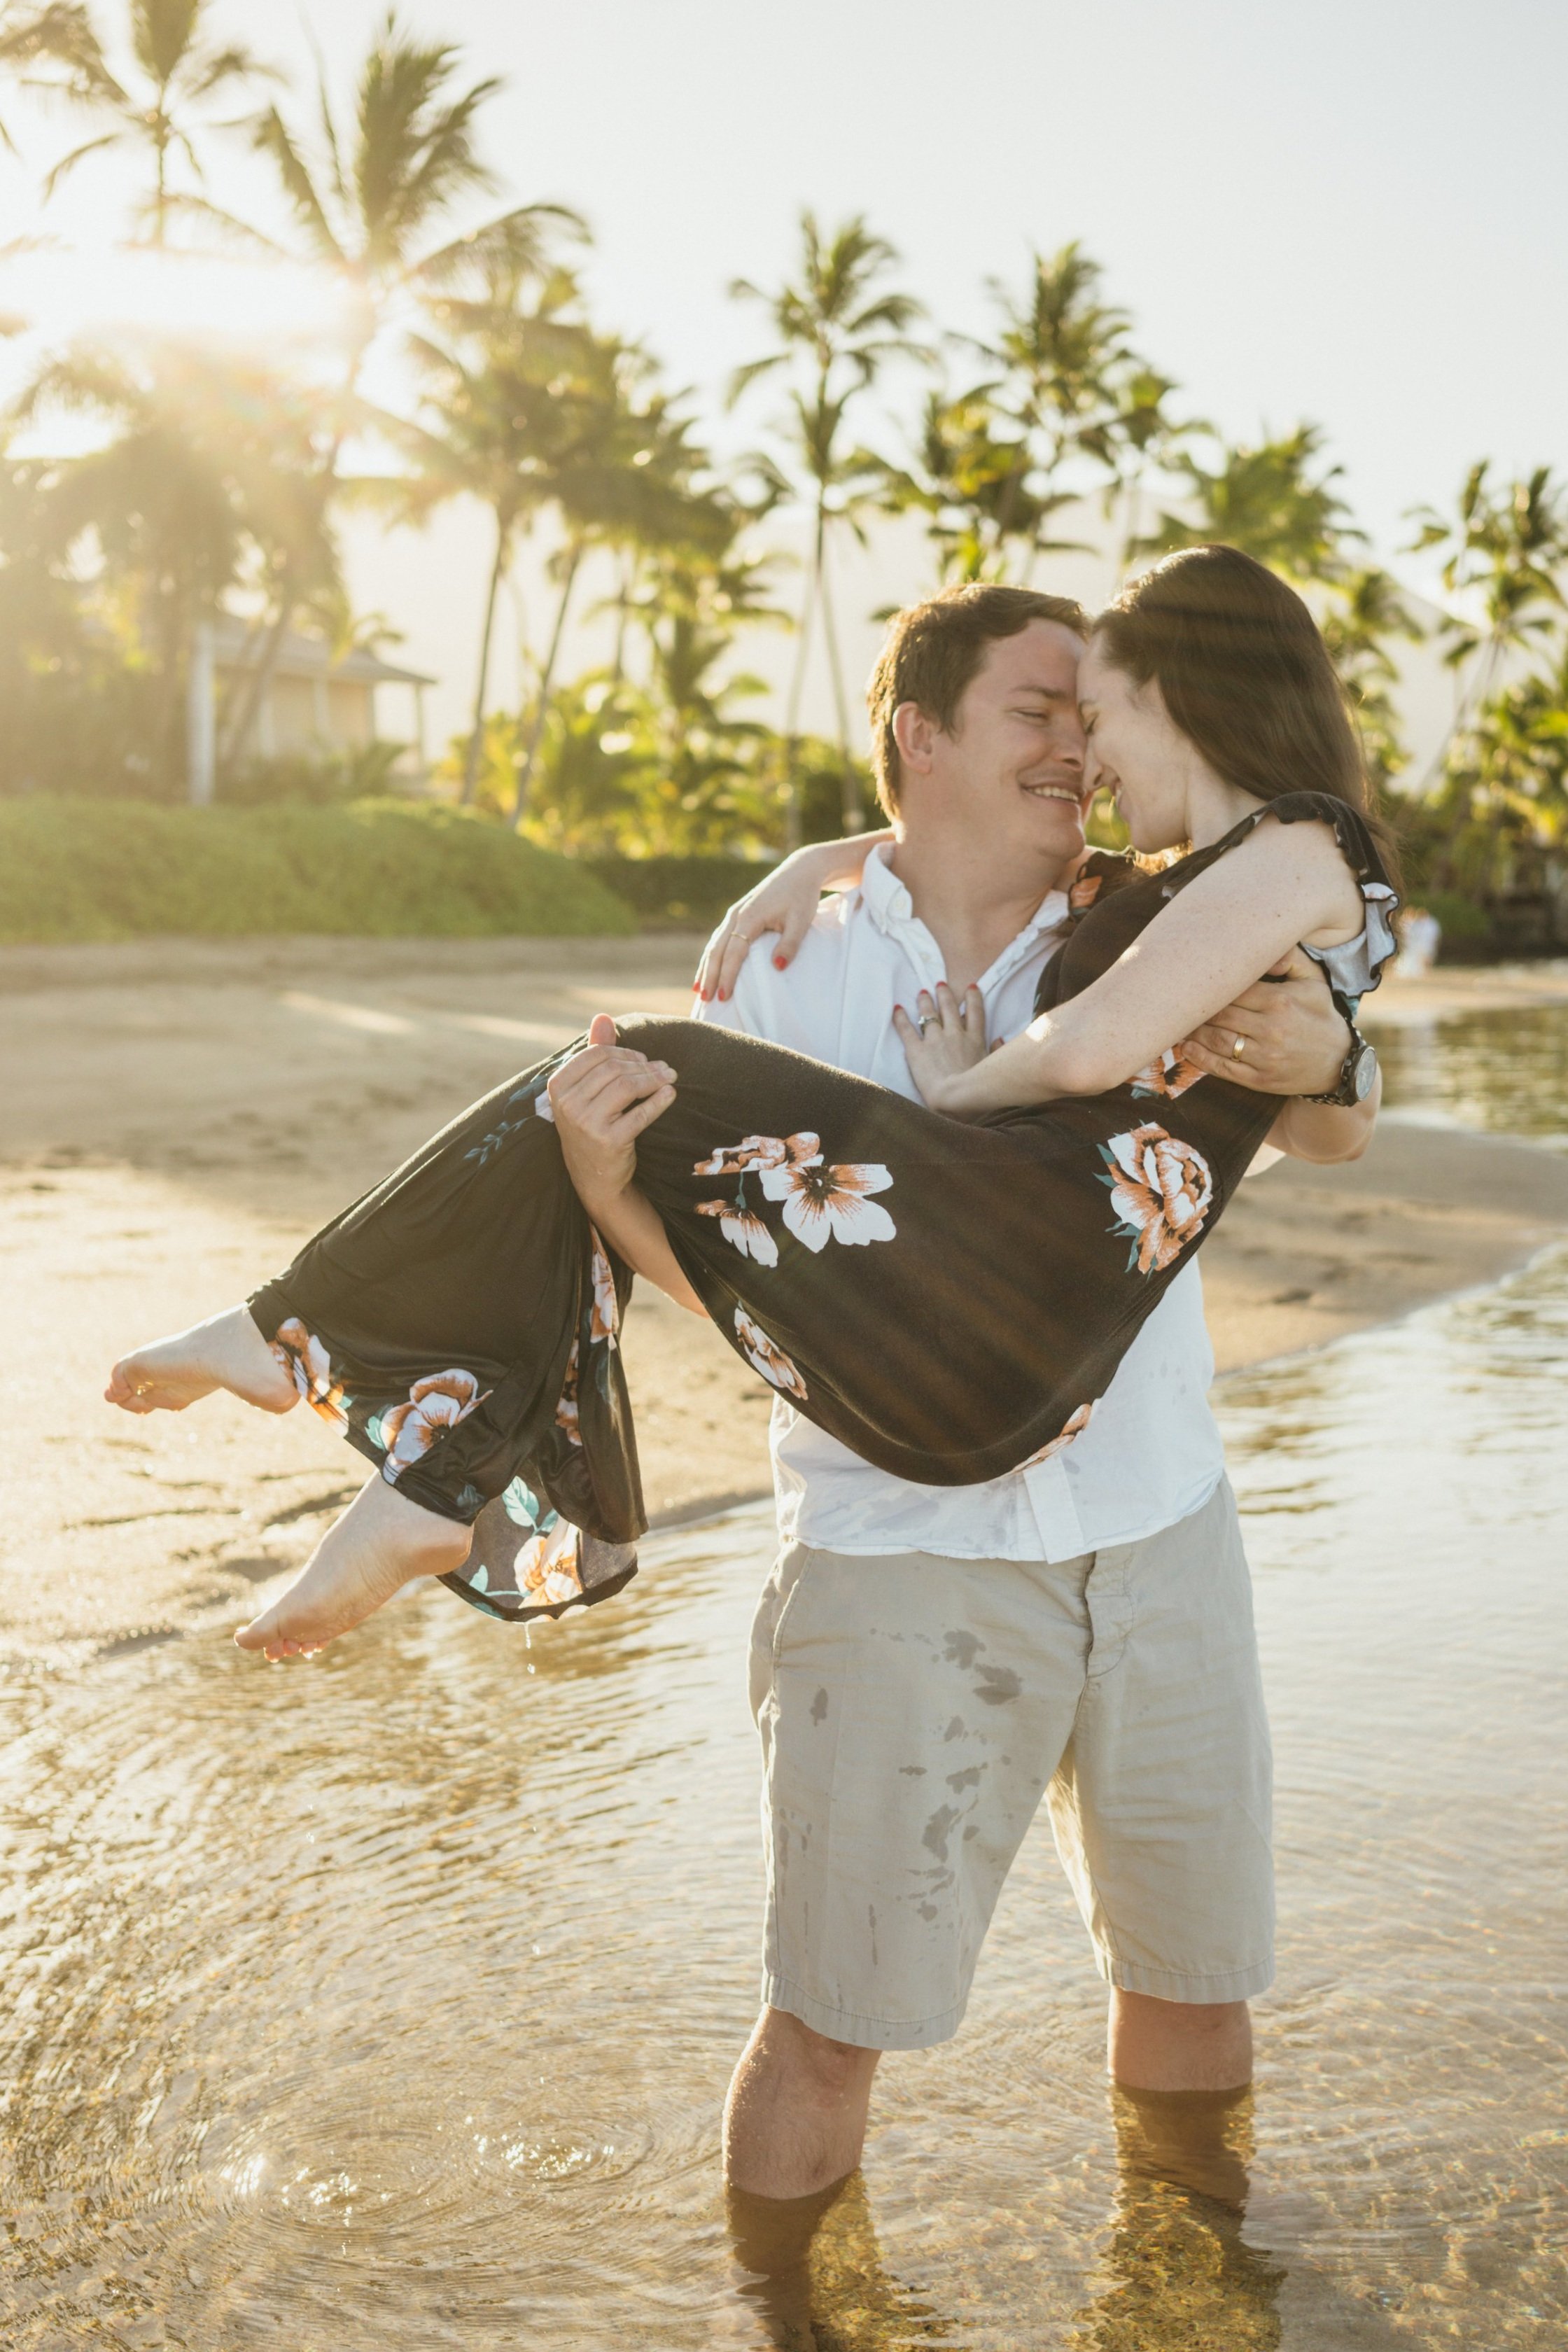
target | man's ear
x=915, y=734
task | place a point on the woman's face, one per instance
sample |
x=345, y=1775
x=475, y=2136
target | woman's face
x=1136, y=752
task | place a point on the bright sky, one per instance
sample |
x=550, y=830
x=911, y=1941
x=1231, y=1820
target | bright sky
x=1353, y=211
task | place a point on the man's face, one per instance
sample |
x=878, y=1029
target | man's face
x=1014, y=761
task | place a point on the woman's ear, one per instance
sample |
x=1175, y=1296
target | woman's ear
x=915, y=734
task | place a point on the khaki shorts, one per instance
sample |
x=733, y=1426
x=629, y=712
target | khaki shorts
x=913, y=1710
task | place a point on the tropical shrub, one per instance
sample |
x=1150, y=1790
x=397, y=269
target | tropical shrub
x=86, y=870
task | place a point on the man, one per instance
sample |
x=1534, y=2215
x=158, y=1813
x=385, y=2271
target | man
x=928, y=1662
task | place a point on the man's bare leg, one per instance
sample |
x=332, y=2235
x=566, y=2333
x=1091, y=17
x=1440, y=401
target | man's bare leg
x=794, y=2122
x=382, y=1542
x=1177, y=2045
x=227, y=1351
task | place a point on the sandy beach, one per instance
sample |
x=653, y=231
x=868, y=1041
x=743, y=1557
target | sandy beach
x=177, y=1115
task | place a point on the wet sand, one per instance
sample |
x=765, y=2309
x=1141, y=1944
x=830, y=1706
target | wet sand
x=176, y=1116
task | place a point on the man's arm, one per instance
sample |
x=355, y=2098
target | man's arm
x=1294, y=1041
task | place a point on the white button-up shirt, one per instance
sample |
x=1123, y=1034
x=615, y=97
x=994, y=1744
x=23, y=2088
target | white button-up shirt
x=1152, y=1453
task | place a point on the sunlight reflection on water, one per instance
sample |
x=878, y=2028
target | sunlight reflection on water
x=390, y=2002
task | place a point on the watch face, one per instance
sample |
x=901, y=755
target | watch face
x=1364, y=1074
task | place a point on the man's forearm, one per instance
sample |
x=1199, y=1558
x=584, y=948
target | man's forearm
x=1325, y=1132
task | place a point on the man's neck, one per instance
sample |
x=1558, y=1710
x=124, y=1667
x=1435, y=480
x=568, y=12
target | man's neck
x=972, y=909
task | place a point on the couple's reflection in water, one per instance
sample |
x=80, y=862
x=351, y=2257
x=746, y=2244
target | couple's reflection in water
x=1178, y=2271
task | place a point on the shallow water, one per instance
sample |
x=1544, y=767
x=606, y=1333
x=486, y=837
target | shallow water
x=389, y=2002
x=1505, y=1071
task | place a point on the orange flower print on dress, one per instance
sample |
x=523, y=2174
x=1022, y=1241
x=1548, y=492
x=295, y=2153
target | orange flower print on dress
x=302, y=1356
x=1084, y=892
x=767, y=1358
x=434, y=1406
x=1074, y=1426
x=758, y=1151
x=1160, y=1190
x=607, y=1318
x=566, y=1406
x=824, y=1203
x=1171, y=1075
x=742, y=1228
x=546, y=1569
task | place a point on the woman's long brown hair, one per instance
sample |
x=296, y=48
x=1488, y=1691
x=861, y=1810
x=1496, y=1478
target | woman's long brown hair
x=1245, y=674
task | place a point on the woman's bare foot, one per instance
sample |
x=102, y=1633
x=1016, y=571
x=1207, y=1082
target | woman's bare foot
x=227, y=1351
x=382, y=1542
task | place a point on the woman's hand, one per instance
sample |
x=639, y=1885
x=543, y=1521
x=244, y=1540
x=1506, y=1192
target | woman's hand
x=944, y=1040
x=602, y=1099
x=785, y=902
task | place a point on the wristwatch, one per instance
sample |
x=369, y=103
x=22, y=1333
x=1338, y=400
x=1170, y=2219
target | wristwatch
x=1357, y=1077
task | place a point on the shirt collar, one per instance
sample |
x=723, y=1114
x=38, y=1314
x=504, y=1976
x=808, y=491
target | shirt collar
x=891, y=909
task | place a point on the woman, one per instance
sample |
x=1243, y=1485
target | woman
x=947, y=1294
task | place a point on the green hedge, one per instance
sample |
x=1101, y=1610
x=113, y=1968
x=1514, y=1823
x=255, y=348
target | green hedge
x=84, y=869
x=681, y=893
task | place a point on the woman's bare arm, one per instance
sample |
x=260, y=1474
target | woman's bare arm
x=1283, y=884
x=784, y=903
x=602, y=1099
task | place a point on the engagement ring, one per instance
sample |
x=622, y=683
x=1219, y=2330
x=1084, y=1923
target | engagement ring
x=1237, y=1050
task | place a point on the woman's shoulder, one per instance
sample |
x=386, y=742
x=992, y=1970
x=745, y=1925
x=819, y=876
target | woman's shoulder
x=1353, y=835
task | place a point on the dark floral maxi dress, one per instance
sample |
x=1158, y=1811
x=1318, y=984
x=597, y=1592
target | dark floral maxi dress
x=949, y=1299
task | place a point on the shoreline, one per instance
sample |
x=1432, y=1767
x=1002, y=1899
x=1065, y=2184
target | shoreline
x=179, y=1115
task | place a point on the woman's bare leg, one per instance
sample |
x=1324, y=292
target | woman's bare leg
x=227, y=1351
x=382, y=1542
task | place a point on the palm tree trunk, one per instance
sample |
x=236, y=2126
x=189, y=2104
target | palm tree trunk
x=849, y=807
x=476, y=732
x=792, y=811
x=247, y=705
x=525, y=765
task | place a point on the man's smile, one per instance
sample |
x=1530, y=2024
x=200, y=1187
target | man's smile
x=1055, y=793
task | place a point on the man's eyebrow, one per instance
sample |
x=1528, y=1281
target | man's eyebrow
x=1048, y=693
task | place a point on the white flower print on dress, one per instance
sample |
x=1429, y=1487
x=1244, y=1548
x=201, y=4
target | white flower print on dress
x=767, y=1358
x=434, y=1406
x=827, y=1204
x=1160, y=1190
x=742, y=1228
x=607, y=1318
x=1074, y=1426
x=1171, y=1075
x=546, y=1569
x=302, y=1356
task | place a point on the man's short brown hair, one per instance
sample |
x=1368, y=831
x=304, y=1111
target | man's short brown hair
x=932, y=651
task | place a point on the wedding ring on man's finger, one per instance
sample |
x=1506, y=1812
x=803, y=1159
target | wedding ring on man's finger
x=1237, y=1050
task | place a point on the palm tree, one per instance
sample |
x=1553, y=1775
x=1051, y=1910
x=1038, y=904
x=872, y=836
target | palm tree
x=1366, y=610
x=491, y=394
x=160, y=106
x=965, y=477
x=57, y=34
x=1144, y=438
x=191, y=491
x=622, y=473
x=1058, y=352
x=836, y=326
x=1506, y=550
x=1268, y=502
x=369, y=203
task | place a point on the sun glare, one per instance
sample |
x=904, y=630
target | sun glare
x=60, y=294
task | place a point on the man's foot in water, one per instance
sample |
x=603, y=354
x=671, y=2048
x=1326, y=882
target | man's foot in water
x=382, y=1542
x=227, y=1351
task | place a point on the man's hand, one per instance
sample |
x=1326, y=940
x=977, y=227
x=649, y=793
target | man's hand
x=603, y=1098
x=1293, y=1039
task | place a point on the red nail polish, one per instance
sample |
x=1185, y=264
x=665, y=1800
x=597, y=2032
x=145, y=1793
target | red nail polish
x=781, y=964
